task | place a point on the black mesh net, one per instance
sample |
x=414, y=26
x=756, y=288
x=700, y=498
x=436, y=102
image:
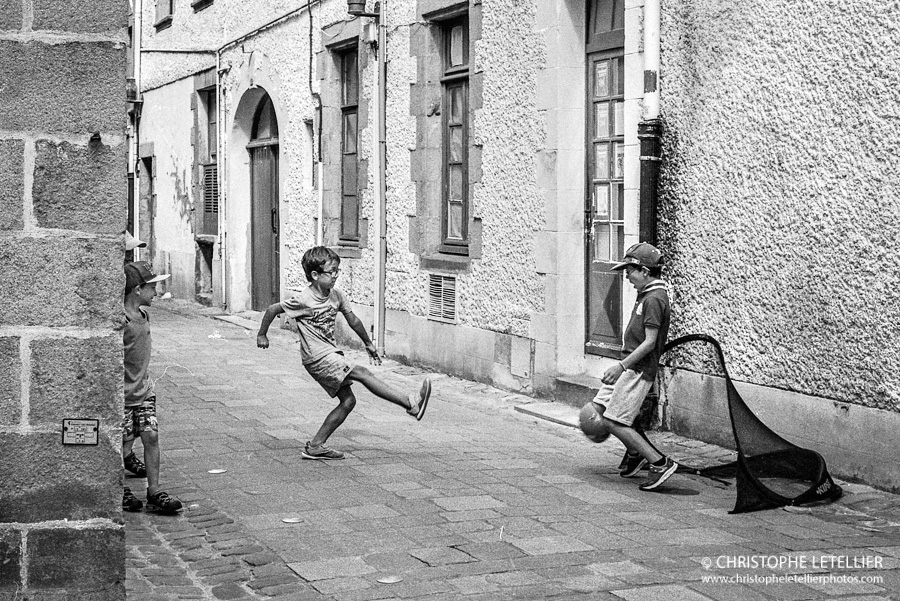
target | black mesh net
x=770, y=471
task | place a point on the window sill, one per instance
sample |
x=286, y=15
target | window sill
x=163, y=23
x=347, y=252
x=445, y=262
x=199, y=5
x=603, y=351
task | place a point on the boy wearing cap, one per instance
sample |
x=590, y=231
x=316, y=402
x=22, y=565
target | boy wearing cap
x=140, y=401
x=626, y=383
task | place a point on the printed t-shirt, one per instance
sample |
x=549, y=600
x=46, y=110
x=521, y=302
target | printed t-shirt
x=137, y=344
x=651, y=309
x=315, y=317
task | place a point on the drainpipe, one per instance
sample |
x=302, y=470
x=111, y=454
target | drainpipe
x=649, y=127
x=317, y=141
x=381, y=99
x=220, y=179
x=357, y=8
x=138, y=8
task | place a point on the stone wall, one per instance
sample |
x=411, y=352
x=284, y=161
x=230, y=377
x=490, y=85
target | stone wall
x=780, y=193
x=62, y=200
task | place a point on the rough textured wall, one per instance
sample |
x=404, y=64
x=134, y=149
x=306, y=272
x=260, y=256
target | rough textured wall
x=779, y=189
x=285, y=49
x=167, y=123
x=62, y=173
x=504, y=287
x=501, y=288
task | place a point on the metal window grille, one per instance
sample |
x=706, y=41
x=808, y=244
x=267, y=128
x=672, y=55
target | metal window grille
x=442, y=298
x=211, y=188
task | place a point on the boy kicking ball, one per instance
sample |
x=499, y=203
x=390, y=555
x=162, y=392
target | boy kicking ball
x=315, y=310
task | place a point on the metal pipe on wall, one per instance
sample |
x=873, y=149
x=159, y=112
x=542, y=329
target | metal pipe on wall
x=138, y=8
x=220, y=179
x=649, y=127
x=381, y=98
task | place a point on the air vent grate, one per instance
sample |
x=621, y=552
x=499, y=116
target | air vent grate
x=442, y=298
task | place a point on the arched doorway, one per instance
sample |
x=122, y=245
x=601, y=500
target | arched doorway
x=264, y=244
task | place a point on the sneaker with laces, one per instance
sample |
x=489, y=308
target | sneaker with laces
x=631, y=465
x=163, y=503
x=659, y=474
x=130, y=502
x=135, y=465
x=419, y=401
x=320, y=452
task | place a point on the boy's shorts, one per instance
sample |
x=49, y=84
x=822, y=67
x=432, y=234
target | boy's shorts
x=623, y=399
x=330, y=371
x=140, y=418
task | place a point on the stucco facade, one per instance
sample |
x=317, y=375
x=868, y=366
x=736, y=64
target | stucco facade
x=776, y=203
x=780, y=211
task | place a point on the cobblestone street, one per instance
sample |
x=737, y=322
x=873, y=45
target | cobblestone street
x=478, y=501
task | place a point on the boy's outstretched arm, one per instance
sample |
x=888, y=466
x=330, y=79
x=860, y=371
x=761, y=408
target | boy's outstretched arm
x=357, y=326
x=262, y=341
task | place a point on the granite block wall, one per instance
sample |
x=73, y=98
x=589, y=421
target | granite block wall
x=62, y=214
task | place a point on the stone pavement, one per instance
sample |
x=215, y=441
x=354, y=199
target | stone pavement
x=477, y=501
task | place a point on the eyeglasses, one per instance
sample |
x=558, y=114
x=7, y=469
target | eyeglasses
x=333, y=273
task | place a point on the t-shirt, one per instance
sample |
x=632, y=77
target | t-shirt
x=651, y=309
x=315, y=318
x=136, y=342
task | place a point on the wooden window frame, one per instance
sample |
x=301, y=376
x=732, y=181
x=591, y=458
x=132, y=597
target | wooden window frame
x=165, y=9
x=606, y=43
x=349, y=231
x=454, y=77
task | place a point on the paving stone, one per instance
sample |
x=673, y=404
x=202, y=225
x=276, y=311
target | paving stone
x=438, y=556
x=331, y=568
x=547, y=545
x=661, y=593
x=229, y=591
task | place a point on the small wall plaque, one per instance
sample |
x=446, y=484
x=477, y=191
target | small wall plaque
x=81, y=431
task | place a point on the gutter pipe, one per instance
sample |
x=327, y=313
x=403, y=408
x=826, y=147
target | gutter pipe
x=381, y=111
x=138, y=8
x=649, y=127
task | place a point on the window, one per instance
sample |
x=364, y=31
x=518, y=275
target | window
x=605, y=171
x=164, y=10
x=455, y=155
x=210, y=168
x=349, y=138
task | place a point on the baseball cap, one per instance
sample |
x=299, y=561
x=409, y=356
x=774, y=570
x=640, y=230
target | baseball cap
x=144, y=271
x=131, y=242
x=642, y=255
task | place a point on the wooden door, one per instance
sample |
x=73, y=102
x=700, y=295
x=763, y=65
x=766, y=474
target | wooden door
x=265, y=235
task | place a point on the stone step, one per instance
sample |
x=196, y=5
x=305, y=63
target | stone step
x=576, y=390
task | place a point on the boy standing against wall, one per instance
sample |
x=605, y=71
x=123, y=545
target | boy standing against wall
x=140, y=401
x=315, y=310
x=626, y=383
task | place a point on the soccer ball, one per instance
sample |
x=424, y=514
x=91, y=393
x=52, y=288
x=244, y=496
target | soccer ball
x=591, y=422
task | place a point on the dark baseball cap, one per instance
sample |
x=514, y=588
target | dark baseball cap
x=144, y=272
x=641, y=255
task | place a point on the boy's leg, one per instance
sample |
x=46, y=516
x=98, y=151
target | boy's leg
x=150, y=439
x=156, y=498
x=634, y=441
x=379, y=388
x=337, y=416
x=130, y=429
